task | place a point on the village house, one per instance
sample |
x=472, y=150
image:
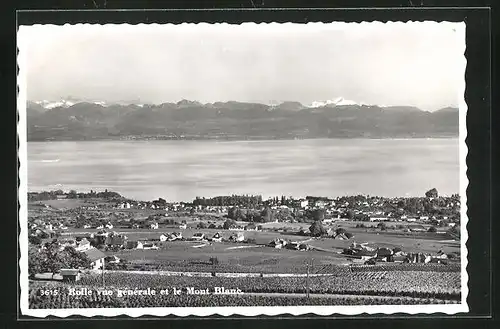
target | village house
x=277, y=243
x=96, y=258
x=237, y=237
x=217, y=237
x=153, y=226
x=115, y=240
x=149, y=246
x=133, y=245
x=83, y=245
x=198, y=237
x=416, y=228
x=70, y=275
x=112, y=259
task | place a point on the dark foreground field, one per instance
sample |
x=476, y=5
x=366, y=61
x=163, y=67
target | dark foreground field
x=345, y=287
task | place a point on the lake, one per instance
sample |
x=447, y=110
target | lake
x=182, y=170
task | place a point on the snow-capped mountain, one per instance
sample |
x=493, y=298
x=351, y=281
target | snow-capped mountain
x=336, y=102
x=53, y=104
x=46, y=104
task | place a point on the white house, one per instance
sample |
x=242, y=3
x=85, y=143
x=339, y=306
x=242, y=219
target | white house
x=319, y=204
x=149, y=246
x=183, y=226
x=154, y=226
x=237, y=237
x=96, y=258
x=198, y=237
x=83, y=245
x=411, y=219
x=378, y=219
x=163, y=238
x=109, y=226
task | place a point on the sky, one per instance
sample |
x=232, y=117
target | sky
x=415, y=64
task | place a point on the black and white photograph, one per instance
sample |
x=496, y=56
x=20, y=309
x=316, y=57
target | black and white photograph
x=251, y=169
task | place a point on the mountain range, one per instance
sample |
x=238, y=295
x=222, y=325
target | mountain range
x=72, y=119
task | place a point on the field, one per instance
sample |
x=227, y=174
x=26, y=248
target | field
x=341, y=288
x=256, y=257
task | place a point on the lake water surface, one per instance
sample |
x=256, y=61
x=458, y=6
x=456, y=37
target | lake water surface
x=182, y=170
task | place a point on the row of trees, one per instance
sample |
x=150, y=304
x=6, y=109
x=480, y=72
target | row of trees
x=251, y=215
x=248, y=201
x=52, y=195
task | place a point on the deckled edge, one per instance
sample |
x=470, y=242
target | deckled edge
x=464, y=179
x=448, y=309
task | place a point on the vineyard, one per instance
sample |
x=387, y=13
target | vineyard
x=416, y=286
x=408, y=267
x=269, y=267
x=64, y=300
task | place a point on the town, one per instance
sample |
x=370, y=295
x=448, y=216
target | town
x=114, y=232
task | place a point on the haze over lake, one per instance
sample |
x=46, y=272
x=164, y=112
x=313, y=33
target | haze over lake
x=182, y=170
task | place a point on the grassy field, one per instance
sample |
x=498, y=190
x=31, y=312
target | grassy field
x=233, y=257
x=258, y=257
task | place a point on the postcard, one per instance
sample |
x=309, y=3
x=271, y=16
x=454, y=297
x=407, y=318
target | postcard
x=250, y=169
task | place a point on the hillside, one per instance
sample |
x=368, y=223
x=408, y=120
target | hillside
x=234, y=120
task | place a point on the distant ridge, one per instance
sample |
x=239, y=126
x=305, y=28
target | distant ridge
x=96, y=120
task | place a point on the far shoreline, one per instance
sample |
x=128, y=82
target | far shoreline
x=219, y=140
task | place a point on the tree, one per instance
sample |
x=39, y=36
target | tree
x=432, y=193
x=340, y=230
x=432, y=229
x=202, y=225
x=72, y=194
x=51, y=259
x=34, y=261
x=229, y=224
x=34, y=239
x=318, y=214
x=382, y=226
x=317, y=229
x=71, y=258
x=267, y=215
x=231, y=213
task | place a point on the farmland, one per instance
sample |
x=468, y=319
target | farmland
x=265, y=275
x=341, y=288
x=255, y=257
